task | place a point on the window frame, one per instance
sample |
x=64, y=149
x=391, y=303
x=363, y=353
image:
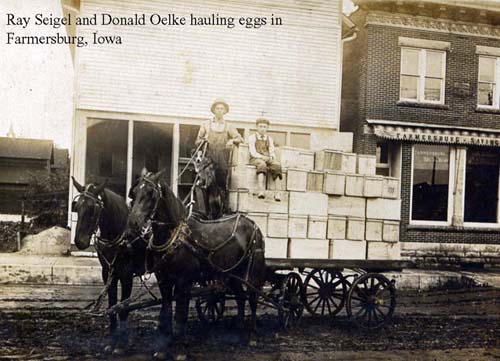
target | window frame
x=463, y=176
x=451, y=183
x=422, y=75
x=496, y=93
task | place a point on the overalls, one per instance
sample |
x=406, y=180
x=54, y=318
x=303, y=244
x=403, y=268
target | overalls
x=219, y=154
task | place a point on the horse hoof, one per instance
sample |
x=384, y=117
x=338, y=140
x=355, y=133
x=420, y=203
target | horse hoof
x=180, y=357
x=108, y=349
x=160, y=356
x=118, y=351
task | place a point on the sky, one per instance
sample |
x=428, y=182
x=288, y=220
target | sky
x=36, y=81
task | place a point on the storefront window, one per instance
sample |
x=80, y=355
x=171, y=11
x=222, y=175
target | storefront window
x=481, y=186
x=106, y=157
x=383, y=164
x=152, y=148
x=431, y=175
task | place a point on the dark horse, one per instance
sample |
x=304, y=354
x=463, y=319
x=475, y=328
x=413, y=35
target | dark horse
x=186, y=250
x=101, y=209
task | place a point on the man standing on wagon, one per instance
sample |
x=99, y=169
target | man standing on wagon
x=262, y=155
x=221, y=136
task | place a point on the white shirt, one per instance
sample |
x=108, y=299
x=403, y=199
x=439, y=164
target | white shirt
x=251, y=145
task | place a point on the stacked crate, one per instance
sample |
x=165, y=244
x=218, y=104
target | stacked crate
x=333, y=205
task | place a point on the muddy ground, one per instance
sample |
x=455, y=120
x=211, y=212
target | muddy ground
x=45, y=323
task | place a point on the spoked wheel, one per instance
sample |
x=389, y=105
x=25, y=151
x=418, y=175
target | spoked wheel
x=290, y=301
x=371, y=301
x=325, y=292
x=210, y=307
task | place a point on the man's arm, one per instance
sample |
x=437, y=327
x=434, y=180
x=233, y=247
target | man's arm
x=202, y=134
x=272, y=153
x=234, y=135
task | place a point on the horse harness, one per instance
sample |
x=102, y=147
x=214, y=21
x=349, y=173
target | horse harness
x=182, y=235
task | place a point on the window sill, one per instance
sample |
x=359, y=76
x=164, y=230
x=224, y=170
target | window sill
x=448, y=228
x=406, y=103
x=487, y=110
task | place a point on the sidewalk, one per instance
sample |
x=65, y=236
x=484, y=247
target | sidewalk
x=23, y=269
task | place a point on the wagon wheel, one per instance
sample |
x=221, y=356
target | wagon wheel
x=325, y=292
x=371, y=300
x=210, y=307
x=290, y=301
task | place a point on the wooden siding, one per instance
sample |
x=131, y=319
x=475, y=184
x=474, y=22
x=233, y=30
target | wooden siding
x=291, y=72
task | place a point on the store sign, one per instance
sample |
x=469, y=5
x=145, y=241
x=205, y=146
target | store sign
x=435, y=136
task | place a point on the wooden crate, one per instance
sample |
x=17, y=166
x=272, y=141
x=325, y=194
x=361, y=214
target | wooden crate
x=334, y=183
x=348, y=249
x=261, y=220
x=390, y=231
x=243, y=200
x=271, y=184
x=240, y=155
x=308, y=203
x=309, y=248
x=383, y=250
x=315, y=181
x=243, y=177
x=276, y=247
x=334, y=160
x=382, y=208
x=277, y=225
x=346, y=206
x=355, y=229
x=374, y=229
x=297, y=226
x=366, y=164
x=390, y=187
x=337, y=226
x=354, y=185
x=373, y=186
x=295, y=158
x=317, y=227
x=296, y=180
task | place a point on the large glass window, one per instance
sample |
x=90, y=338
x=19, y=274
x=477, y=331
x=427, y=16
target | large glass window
x=487, y=90
x=431, y=178
x=383, y=159
x=106, y=157
x=481, y=185
x=152, y=148
x=422, y=75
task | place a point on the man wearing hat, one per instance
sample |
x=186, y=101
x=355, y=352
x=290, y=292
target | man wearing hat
x=220, y=136
x=262, y=155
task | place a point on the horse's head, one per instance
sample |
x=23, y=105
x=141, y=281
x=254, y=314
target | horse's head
x=146, y=195
x=89, y=206
x=205, y=169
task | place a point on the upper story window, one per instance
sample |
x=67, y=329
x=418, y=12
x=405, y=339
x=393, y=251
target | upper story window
x=422, y=75
x=487, y=87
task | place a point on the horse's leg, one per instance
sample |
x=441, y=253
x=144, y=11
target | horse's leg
x=239, y=296
x=165, y=320
x=253, y=298
x=112, y=299
x=126, y=283
x=182, y=298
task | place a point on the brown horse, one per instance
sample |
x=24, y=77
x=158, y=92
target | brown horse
x=186, y=250
x=101, y=209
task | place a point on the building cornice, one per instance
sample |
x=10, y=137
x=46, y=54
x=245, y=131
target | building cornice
x=432, y=24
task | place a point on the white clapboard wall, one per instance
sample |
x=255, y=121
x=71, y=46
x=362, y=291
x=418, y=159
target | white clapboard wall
x=291, y=72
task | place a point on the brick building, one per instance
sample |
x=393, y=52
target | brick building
x=421, y=91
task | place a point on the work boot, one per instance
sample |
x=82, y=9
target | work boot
x=277, y=196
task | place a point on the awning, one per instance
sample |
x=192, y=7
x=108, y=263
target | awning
x=431, y=133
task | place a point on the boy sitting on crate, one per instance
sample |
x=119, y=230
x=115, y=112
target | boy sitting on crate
x=262, y=155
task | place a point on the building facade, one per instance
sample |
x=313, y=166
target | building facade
x=420, y=91
x=141, y=103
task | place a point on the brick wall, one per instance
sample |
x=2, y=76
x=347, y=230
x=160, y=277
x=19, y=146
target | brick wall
x=372, y=63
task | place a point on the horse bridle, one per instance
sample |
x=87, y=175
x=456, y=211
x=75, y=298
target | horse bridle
x=98, y=206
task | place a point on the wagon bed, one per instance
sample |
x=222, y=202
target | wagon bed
x=339, y=264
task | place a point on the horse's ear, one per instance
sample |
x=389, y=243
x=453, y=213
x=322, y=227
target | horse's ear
x=77, y=185
x=159, y=175
x=144, y=171
x=100, y=188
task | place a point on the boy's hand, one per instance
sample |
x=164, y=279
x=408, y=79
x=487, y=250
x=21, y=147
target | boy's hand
x=265, y=159
x=229, y=143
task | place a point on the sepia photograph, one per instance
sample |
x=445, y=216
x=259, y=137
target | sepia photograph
x=252, y=180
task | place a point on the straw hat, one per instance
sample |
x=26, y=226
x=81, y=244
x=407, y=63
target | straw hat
x=219, y=101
